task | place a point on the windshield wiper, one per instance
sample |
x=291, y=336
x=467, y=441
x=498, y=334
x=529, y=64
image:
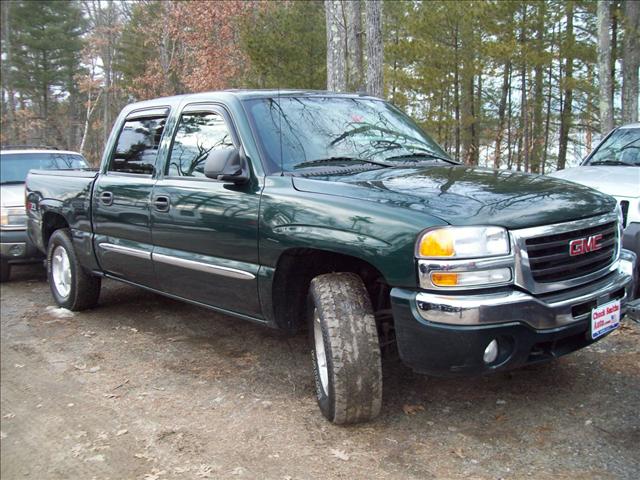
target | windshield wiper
x=613, y=162
x=12, y=182
x=329, y=160
x=419, y=155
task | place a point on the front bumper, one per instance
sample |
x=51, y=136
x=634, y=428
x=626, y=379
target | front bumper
x=446, y=335
x=16, y=247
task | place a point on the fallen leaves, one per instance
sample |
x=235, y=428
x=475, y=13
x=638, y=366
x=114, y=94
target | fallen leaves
x=412, y=409
x=340, y=454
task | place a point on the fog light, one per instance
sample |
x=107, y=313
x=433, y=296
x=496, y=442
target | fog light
x=491, y=352
x=17, y=250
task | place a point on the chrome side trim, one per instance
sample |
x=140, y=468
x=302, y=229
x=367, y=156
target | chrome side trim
x=522, y=273
x=134, y=252
x=203, y=267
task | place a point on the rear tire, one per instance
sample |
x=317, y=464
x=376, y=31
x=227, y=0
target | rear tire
x=5, y=270
x=345, y=349
x=72, y=287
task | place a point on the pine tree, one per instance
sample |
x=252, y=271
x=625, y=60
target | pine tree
x=286, y=46
x=46, y=38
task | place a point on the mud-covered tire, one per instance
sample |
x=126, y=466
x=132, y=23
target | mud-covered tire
x=340, y=312
x=83, y=288
x=5, y=270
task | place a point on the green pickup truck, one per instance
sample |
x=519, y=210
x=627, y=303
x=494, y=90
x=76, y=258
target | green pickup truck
x=336, y=212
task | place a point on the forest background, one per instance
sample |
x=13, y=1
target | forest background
x=526, y=85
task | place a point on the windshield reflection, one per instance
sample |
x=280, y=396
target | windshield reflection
x=301, y=130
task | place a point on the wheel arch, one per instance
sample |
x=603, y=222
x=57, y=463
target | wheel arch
x=295, y=269
x=51, y=221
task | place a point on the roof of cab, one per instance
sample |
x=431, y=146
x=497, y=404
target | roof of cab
x=238, y=94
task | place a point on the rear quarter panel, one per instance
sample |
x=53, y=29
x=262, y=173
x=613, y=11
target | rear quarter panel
x=65, y=193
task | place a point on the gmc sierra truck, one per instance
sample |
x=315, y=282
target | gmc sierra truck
x=337, y=212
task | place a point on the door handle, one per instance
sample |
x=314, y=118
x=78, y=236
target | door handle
x=106, y=198
x=162, y=203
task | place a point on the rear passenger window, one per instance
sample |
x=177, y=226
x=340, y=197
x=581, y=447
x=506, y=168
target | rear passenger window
x=137, y=146
x=197, y=135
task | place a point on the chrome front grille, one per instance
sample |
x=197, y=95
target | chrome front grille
x=551, y=261
x=543, y=260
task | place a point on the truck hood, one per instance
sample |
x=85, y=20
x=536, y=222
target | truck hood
x=12, y=195
x=461, y=195
x=618, y=181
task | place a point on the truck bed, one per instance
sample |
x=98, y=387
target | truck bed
x=65, y=192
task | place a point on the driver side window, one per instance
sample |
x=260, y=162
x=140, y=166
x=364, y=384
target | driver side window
x=197, y=135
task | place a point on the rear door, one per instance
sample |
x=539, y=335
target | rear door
x=205, y=232
x=121, y=211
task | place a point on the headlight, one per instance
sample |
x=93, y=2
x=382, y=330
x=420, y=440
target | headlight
x=13, y=218
x=463, y=242
x=464, y=257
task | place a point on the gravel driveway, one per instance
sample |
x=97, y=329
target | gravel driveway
x=144, y=387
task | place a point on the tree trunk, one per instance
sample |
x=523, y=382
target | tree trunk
x=509, y=110
x=547, y=120
x=523, y=146
x=90, y=108
x=614, y=47
x=605, y=103
x=630, y=61
x=456, y=91
x=6, y=74
x=501, y=111
x=375, y=51
x=336, y=39
x=565, y=114
x=537, y=140
x=354, y=45
x=44, y=111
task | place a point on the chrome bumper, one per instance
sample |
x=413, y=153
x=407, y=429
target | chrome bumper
x=541, y=312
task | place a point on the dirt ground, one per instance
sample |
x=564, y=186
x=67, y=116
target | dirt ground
x=144, y=387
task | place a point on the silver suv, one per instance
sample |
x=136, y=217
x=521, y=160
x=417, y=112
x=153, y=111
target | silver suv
x=15, y=163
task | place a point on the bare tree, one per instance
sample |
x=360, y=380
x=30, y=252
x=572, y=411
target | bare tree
x=355, y=74
x=104, y=21
x=336, y=42
x=604, y=65
x=375, y=52
x=630, y=61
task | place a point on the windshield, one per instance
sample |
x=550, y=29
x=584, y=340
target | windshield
x=337, y=128
x=621, y=148
x=14, y=167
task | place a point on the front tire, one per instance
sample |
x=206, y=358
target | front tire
x=72, y=287
x=345, y=349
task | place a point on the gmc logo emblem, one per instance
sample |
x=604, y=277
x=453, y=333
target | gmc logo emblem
x=580, y=246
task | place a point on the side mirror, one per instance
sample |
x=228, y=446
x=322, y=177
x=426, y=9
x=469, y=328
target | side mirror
x=228, y=165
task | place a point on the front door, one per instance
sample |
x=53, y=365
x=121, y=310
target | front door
x=121, y=211
x=205, y=232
